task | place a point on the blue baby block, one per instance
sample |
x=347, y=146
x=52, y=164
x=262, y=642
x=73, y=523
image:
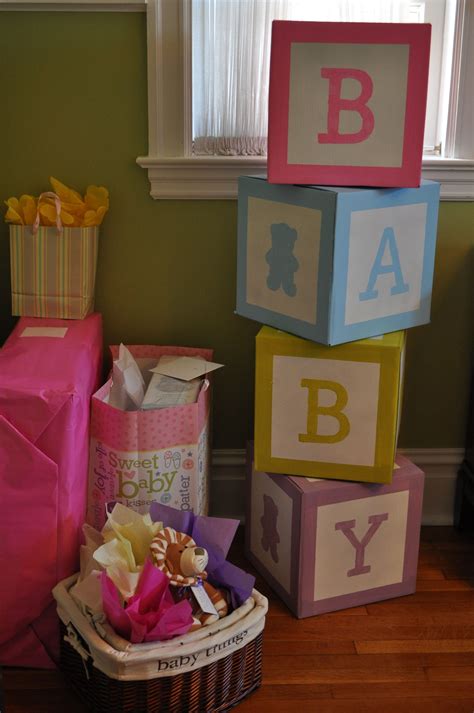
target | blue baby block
x=335, y=264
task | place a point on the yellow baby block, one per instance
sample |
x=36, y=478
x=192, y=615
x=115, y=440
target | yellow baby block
x=328, y=412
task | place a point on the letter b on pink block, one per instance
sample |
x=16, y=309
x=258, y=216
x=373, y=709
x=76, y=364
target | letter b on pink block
x=336, y=104
x=347, y=527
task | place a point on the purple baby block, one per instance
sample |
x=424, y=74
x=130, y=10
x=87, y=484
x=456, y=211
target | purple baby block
x=324, y=545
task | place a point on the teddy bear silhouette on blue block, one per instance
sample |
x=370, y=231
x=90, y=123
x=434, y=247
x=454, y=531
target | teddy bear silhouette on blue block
x=283, y=264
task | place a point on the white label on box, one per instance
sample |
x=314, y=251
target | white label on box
x=58, y=332
x=360, y=544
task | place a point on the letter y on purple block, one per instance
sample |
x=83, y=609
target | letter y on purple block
x=347, y=527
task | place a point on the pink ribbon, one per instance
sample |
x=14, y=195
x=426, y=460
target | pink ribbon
x=57, y=203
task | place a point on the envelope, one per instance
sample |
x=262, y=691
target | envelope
x=184, y=367
x=48, y=370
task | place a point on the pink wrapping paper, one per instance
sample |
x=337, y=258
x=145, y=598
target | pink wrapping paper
x=45, y=387
x=151, y=614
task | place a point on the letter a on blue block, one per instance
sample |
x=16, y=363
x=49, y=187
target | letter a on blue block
x=378, y=268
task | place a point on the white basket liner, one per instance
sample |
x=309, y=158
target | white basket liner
x=120, y=659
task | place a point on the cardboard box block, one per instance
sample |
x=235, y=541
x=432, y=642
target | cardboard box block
x=347, y=103
x=324, y=546
x=336, y=264
x=328, y=412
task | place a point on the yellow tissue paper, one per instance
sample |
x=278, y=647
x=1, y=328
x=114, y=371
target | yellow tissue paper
x=116, y=553
x=96, y=197
x=120, y=549
x=21, y=212
x=66, y=195
x=28, y=207
x=13, y=214
x=135, y=531
x=76, y=211
x=48, y=215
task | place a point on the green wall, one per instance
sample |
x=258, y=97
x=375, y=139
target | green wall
x=75, y=107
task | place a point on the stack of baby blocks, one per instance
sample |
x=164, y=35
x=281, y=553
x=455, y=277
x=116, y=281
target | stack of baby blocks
x=342, y=271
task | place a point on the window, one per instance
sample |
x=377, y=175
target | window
x=230, y=63
x=203, y=135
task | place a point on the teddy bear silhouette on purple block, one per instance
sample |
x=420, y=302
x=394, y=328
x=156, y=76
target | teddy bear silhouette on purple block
x=270, y=536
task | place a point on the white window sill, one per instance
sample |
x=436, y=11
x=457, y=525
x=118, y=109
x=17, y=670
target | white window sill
x=75, y=5
x=215, y=177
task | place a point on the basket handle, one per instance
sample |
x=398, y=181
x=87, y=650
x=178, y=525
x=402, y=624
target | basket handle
x=57, y=203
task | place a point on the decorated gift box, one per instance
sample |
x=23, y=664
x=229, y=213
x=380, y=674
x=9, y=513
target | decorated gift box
x=336, y=264
x=329, y=412
x=324, y=546
x=347, y=103
x=49, y=369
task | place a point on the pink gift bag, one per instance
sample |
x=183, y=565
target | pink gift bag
x=159, y=455
x=48, y=370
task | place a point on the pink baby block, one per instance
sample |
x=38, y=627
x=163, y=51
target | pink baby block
x=347, y=103
x=327, y=545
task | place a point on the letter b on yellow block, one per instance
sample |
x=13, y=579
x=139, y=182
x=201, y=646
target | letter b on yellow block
x=314, y=386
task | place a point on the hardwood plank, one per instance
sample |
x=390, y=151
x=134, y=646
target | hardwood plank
x=255, y=705
x=340, y=668
x=429, y=571
x=425, y=690
x=430, y=602
x=444, y=585
x=421, y=689
x=417, y=626
x=296, y=647
x=277, y=608
x=429, y=557
x=399, y=646
x=450, y=673
x=354, y=611
x=282, y=692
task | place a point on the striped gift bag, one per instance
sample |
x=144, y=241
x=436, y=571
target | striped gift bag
x=53, y=269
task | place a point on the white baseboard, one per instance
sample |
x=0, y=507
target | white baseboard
x=440, y=466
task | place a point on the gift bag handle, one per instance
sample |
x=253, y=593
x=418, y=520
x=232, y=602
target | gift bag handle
x=57, y=203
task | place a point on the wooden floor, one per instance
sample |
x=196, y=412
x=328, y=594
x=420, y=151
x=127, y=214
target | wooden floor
x=413, y=654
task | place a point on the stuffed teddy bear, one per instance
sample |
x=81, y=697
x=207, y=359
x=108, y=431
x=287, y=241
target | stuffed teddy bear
x=184, y=563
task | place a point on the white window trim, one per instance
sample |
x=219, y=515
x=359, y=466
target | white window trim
x=215, y=177
x=74, y=5
x=172, y=171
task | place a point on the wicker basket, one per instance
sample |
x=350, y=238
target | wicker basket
x=208, y=670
